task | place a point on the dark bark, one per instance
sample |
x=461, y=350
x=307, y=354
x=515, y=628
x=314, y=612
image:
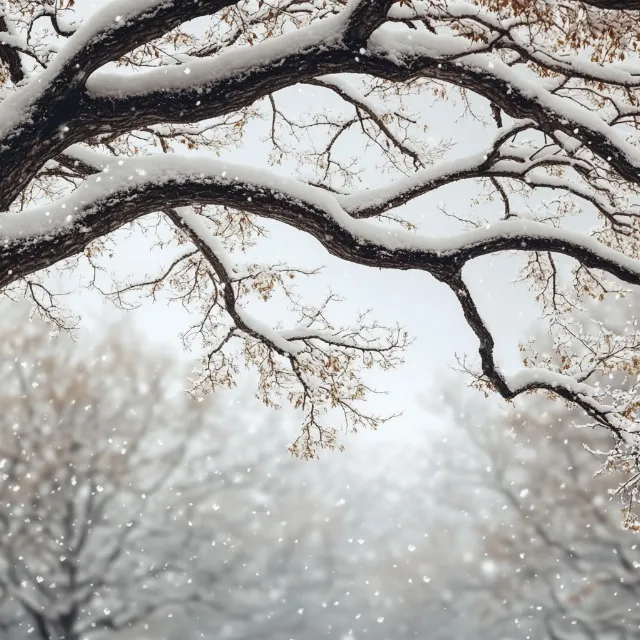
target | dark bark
x=9, y=57
x=508, y=98
x=617, y=5
x=42, y=134
x=491, y=371
x=365, y=19
x=23, y=257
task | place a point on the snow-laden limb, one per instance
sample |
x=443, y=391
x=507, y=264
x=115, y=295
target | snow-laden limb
x=128, y=189
x=517, y=35
x=618, y=74
x=195, y=82
x=530, y=377
x=599, y=345
x=195, y=91
x=202, y=75
x=568, y=381
x=374, y=201
x=614, y=5
x=595, y=368
x=317, y=366
x=445, y=57
x=116, y=28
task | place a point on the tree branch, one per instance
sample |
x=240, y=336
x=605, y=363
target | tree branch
x=363, y=18
x=9, y=56
x=36, y=239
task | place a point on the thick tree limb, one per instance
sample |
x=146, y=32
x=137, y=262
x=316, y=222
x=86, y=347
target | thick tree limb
x=36, y=239
x=614, y=5
x=42, y=111
x=228, y=83
x=364, y=17
x=517, y=97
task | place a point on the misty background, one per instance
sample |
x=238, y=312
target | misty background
x=129, y=509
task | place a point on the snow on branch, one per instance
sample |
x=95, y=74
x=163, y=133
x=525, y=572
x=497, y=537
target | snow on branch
x=121, y=117
x=135, y=187
x=116, y=28
x=571, y=388
x=128, y=189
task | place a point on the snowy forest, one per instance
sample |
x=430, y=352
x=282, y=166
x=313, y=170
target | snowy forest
x=129, y=510
x=318, y=319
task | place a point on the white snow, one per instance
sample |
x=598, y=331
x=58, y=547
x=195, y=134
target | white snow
x=13, y=40
x=118, y=179
x=15, y=108
x=204, y=72
x=551, y=379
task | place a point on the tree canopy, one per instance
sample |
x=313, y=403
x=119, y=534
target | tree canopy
x=131, y=112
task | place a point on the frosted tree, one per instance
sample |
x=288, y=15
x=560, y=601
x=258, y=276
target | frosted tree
x=547, y=556
x=124, y=116
x=125, y=503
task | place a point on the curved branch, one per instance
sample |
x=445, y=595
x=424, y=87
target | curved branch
x=233, y=80
x=42, y=110
x=397, y=57
x=121, y=26
x=117, y=103
x=38, y=238
x=194, y=227
x=567, y=387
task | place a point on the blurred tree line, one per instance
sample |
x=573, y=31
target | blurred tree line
x=129, y=509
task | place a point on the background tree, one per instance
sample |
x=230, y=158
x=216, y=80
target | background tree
x=108, y=483
x=547, y=556
x=123, y=500
x=103, y=116
x=128, y=509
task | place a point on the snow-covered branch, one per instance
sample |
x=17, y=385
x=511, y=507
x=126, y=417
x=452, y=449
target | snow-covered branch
x=123, y=116
x=132, y=188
